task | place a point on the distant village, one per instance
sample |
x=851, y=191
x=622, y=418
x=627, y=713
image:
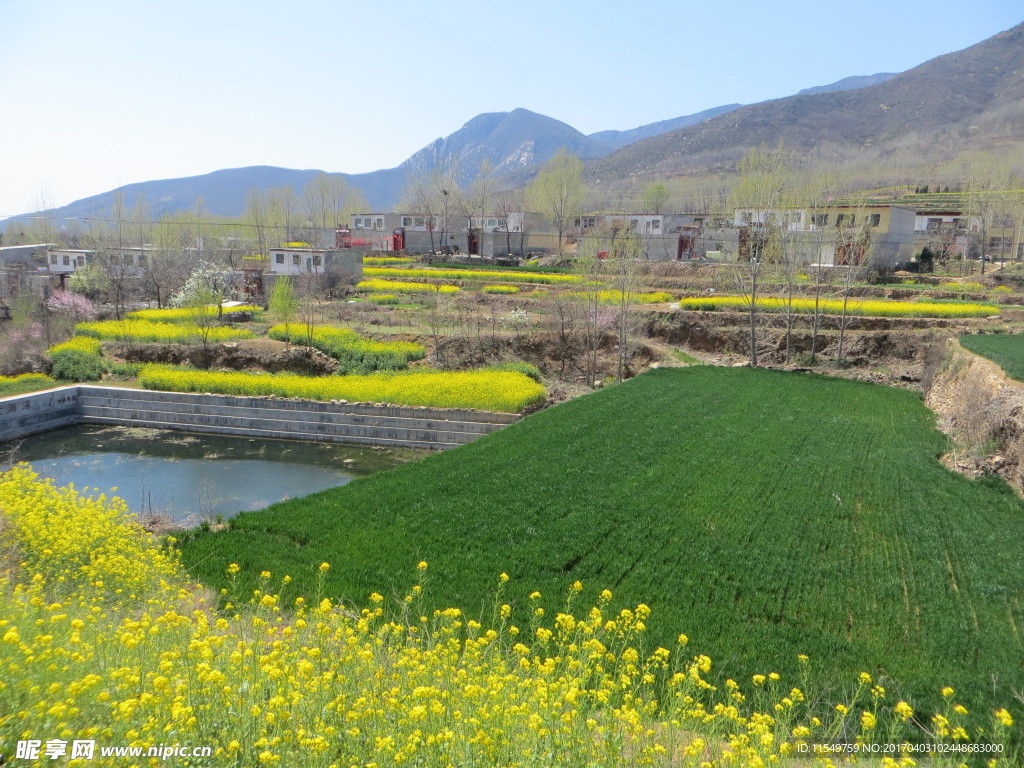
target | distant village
x=889, y=236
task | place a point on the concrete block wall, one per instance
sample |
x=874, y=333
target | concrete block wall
x=24, y=415
x=265, y=417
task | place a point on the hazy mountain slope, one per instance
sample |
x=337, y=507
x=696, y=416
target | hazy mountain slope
x=849, y=83
x=221, y=192
x=617, y=139
x=977, y=90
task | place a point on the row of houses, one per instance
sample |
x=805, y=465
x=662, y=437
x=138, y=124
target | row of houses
x=891, y=234
x=897, y=233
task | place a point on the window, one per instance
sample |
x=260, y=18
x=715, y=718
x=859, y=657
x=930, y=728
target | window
x=279, y=258
x=406, y=220
x=67, y=261
x=380, y=223
x=698, y=222
x=418, y=221
x=295, y=259
x=656, y=224
x=317, y=259
x=819, y=219
x=876, y=219
x=53, y=258
x=357, y=223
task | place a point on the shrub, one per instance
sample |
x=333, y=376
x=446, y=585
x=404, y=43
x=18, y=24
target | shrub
x=125, y=370
x=76, y=365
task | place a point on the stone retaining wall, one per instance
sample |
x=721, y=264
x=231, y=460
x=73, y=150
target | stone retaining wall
x=265, y=417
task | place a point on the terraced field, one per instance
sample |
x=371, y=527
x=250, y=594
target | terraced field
x=1005, y=350
x=762, y=513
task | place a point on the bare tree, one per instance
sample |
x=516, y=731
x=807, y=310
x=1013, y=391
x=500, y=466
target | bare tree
x=558, y=191
x=509, y=206
x=761, y=196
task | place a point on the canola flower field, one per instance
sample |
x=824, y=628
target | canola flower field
x=404, y=286
x=869, y=308
x=754, y=510
x=632, y=297
x=90, y=345
x=485, y=390
x=474, y=274
x=134, y=330
x=1006, y=350
x=354, y=353
x=186, y=315
x=104, y=637
x=25, y=382
x=384, y=261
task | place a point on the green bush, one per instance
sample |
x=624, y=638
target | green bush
x=527, y=369
x=127, y=370
x=76, y=365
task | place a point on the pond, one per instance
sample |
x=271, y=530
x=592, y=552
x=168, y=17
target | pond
x=177, y=479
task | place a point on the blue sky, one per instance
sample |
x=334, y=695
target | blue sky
x=105, y=93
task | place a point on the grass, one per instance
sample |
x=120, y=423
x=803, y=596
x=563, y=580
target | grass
x=764, y=514
x=1006, y=350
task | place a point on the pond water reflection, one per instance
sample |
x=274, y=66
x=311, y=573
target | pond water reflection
x=185, y=478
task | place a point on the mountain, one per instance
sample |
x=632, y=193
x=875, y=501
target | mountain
x=222, y=192
x=616, y=139
x=508, y=141
x=849, y=83
x=930, y=111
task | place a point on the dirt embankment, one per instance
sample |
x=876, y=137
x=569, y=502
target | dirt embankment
x=983, y=411
x=249, y=355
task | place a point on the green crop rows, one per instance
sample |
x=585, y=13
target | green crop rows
x=762, y=513
x=1005, y=350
